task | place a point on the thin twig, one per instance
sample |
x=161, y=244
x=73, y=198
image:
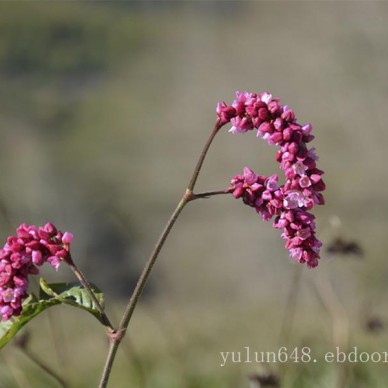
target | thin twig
x=198, y=167
x=15, y=373
x=43, y=366
x=289, y=311
x=208, y=194
x=340, y=322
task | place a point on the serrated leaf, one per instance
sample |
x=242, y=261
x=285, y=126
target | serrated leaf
x=50, y=295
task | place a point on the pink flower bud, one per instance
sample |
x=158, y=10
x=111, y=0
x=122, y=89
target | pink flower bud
x=37, y=257
x=67, y=238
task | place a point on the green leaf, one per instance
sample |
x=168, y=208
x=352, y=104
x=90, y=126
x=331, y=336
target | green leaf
x=50, y=295
x=73, y=294
x=31, y=308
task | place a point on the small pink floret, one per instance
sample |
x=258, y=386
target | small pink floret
x=67, y=238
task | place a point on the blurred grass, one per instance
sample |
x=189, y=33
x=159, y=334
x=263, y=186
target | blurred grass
x=103, y=110
x=182, y=349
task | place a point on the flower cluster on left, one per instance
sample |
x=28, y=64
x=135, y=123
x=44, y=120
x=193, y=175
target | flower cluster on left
x=22, y=255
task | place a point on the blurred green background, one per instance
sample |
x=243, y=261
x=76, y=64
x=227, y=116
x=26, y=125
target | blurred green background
x=104, y=108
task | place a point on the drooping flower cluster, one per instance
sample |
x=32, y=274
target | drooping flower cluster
x=303, y=180
x=22, y=255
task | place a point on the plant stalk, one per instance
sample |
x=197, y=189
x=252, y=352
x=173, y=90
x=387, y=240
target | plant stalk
x=188, y=196
x=82, y=279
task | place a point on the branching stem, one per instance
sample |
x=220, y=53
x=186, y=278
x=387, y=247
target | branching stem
x=187, y=197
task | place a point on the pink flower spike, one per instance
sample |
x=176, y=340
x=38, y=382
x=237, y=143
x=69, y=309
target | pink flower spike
x=22, y=255
x=289, y=203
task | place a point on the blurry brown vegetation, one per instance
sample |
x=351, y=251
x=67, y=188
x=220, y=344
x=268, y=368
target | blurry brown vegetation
x=104, y=108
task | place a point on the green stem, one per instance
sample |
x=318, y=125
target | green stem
x=188, y=196
x=82, y=279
